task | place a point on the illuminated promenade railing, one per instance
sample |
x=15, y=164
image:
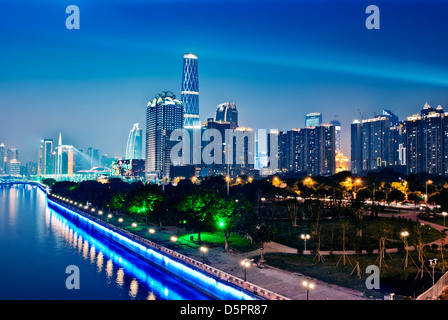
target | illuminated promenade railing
x=435, y=291
x=194, y=264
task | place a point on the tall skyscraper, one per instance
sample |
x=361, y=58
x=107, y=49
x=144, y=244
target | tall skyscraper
x=337, y=130
x=2, y=158
x=227, y=112
x=190, y=101
x=310, y=150
x=47, y=157
x=313, y=119
x=163, y=115
x=372, y=143
x=12, y=161
x=59, y=159
x=426, y=141
x=134, y=145
x=356, y=147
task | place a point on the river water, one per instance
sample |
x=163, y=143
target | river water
x=38, y=244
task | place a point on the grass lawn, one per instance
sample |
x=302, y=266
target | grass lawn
x=331, y=234
x=236, y=242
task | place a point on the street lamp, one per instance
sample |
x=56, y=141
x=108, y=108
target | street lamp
x=120, y=220
x=173, y=239
x=426, y=190
x=246, y=264
x=444, y=213
x=134, y=225
x=308, y=286
x=432, y=263
x=109, y=216
x=151, y=232
x=404, y=235
x=305, y=237
x=204, y=250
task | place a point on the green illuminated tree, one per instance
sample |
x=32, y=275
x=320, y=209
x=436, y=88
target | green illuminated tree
x=144, y=200
x=196, y=208
x=226, y=213
x=117, y=201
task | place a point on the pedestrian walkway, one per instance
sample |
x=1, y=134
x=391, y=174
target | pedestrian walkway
x=287, y=284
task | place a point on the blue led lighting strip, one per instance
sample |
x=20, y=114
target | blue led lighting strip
x=194, y=277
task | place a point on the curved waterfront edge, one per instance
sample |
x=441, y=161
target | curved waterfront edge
x=209, y=280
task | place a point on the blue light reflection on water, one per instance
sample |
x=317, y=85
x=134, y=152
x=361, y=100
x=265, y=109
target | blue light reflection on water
x=161, y=286
x=38, y=243
x=209, y=284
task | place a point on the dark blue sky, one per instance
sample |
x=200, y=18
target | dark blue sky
x=277, y=60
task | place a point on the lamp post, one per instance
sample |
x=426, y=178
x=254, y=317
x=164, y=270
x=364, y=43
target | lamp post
x=203, y=250
x=426, y=191
x=246, y=264
x=308, y=286
x=134, y=225
x=444, y=213
x=173, y=239
x=151, y=232
x=109, y=216
x=404, y=235
x=432, y=263
x=305, y=237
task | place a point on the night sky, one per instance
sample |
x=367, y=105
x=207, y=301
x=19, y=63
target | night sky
x=277, y=60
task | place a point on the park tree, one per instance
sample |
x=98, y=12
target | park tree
x=396, y=195
x=262, y=234
x=226, y=214
x=144, y=200
x=117, y=201
x=196, y=208
x=416, y=197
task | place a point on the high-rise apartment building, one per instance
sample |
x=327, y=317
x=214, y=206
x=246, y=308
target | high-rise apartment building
x=370, y=144
x=2, y=158
x=310, y=150
x=46, y=158
x=134, y=144
x=426, y=137
x=164, y=114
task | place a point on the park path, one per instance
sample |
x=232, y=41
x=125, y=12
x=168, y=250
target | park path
x=287, y=284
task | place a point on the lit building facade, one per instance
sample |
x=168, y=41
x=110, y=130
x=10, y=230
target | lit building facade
x=164, y=114
x=227, y=112
x=135, y=143
x=2, y=158
x=427, y=142
x=370, y=144
x=190, y=102
x=313, y=119
x=308, y=151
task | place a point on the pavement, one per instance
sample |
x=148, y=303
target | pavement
x=287, y=284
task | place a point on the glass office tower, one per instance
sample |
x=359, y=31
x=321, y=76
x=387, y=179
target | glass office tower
x=134, y=145
x=190, y=101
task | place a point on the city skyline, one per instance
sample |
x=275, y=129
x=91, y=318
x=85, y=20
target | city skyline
x=92, y=84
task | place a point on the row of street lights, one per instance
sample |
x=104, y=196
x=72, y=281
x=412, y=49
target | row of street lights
x=246, y=263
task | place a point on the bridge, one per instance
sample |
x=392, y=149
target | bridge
x=12, y=182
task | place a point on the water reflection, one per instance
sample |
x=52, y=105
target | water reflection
x=137, y=277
